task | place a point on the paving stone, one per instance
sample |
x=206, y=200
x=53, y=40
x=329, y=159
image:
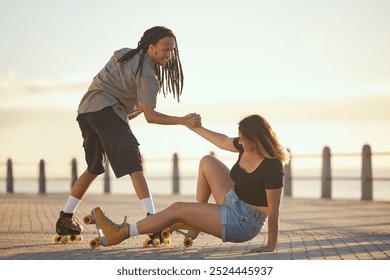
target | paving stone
x=310, y=229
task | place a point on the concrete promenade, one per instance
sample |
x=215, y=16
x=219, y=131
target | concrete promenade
x=310, y=229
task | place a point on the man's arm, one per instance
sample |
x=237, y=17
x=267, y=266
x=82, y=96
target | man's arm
x=152, y=116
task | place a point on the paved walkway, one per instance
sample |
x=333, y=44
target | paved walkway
x=312, y=229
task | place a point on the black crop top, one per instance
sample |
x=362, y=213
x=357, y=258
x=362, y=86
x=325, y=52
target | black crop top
x=250, y=187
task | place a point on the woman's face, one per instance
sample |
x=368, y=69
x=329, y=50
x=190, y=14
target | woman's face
x=247, y=144
x=162, y=50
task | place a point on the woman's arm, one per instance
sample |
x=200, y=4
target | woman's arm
x=274, y=197
x=220, y=140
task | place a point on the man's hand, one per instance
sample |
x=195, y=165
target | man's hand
x=193, y=120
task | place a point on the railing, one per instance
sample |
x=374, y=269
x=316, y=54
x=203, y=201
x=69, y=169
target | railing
x=326, y=178
x=326, y=173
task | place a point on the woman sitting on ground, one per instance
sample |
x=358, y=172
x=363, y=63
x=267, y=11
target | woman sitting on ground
x=245, y=196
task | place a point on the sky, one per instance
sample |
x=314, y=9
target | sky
x=319, y=71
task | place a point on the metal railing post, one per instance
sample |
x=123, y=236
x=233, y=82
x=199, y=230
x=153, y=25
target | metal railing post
x=42, y=177
x=326, y=178
x=74, y=173
x=176, y=178
x=366, y=173
x=107, y=183
x=10, y=177
x=287, y=179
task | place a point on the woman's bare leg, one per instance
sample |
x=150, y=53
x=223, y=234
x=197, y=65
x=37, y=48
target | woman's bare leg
x=213, y=178
x=202, y=216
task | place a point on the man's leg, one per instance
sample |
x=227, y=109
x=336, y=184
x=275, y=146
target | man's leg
x=65, y=224
x=142, y=190
x=79, y=188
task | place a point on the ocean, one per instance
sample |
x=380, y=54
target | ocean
x=162, y=184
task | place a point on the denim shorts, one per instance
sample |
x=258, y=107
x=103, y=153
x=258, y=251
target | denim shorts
x=106, y=134
x=240, y=221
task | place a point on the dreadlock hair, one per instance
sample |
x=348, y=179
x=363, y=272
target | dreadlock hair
x=256, y=129
x=170, y=77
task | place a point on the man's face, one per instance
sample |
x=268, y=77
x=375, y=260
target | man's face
x=161, y=51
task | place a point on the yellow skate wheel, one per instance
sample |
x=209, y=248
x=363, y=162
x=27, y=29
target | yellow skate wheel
x=145, y=243
x=56, y=239
x=78, y=239
x=167, y=241
x=88, y=219
x=166, y=233
x=156, y=242
x=94, y=243
x=187, y=242
x=63, y=239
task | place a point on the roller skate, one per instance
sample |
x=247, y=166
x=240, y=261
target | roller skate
x=155, y=239
x=110, y=233
x=67, y=230
x=189, y=233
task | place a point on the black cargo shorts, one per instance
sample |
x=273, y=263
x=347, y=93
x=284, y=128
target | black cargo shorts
x=106, y=134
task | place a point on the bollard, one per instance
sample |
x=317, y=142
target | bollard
x=175, y=178
x=74, y=173
x=326, y=179
x=10, y=177
x=42, y=177
x=107, y=186
x=366, y=173
x=287, y=179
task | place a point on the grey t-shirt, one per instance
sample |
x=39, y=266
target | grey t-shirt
x=117, y=85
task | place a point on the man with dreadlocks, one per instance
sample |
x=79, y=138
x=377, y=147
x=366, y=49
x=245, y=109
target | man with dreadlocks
x=126, y=87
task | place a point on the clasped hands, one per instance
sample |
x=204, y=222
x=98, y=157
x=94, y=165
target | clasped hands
x=193, y=120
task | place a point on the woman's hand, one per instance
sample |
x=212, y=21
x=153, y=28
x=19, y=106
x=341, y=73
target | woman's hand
x=193, y=120
x=262, y=249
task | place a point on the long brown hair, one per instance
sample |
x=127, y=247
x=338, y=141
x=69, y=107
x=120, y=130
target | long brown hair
x=170, y=77
x=257, y=129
